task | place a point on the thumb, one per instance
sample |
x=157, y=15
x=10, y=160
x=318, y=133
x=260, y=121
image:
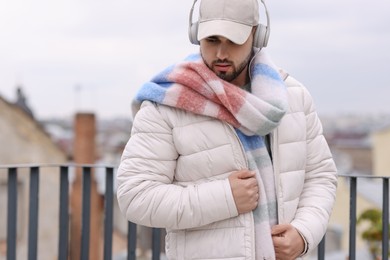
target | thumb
x=278, y=229
x=244, y=174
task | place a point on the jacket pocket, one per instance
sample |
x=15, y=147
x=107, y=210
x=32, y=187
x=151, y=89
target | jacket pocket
x=220, y=243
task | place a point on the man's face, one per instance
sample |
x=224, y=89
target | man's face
x=227, y=60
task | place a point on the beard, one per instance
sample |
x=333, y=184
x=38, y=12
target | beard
x=237, y=70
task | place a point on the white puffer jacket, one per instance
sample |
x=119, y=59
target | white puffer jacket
x=174, y=170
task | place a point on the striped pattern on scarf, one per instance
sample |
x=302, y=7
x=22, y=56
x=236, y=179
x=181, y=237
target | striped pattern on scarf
x=265, y=215
x=190, y=85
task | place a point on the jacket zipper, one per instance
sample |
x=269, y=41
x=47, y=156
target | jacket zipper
x=241, y=145
x=247, y=167
x=275, y=163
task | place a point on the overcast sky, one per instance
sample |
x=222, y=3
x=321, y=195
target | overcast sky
x=72, y=55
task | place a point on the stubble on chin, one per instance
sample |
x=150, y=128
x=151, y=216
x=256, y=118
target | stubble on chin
x=229, y=77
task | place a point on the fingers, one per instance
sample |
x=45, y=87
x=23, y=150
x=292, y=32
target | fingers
x=245, y=190
x=278, y=229
x=245, y=174
x=288, y=243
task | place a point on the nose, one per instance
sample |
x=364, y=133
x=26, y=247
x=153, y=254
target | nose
x=222, y=52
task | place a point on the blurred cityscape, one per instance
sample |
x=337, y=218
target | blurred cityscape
x=359, y=143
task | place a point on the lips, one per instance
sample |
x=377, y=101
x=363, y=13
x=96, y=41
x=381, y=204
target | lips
x=222, y=67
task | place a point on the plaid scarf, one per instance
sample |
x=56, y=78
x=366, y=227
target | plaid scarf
x=190, y=85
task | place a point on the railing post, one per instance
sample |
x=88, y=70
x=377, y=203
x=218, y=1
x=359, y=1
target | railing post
x=86, y=214
x=33, y=214
x=108, y=213
x=63, y=241
x=131, y=241
x=12, y=213
x=321, y=250
x=352, y=219
x=156, y=243
x=385, y=220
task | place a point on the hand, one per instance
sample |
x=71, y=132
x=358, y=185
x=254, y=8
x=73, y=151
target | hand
x=288, y=242
x=245, y=190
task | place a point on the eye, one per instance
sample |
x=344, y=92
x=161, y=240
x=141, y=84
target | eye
x=211, y=39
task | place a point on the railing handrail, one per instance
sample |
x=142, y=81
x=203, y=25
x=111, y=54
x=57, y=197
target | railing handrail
x=50, y=165
x=364, y=176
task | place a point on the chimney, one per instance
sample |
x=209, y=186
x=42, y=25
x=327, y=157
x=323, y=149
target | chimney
x=85, y=153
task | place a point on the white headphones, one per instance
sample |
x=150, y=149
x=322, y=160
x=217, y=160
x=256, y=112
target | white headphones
x=260, y=38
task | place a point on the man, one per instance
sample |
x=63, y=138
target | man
x=227, y=151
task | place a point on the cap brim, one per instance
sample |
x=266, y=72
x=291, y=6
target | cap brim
x=236, y=32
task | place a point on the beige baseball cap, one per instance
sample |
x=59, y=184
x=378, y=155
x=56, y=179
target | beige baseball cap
x=233, y=19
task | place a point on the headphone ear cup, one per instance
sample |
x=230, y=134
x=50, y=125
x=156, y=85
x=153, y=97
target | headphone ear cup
x=261, y=36
x=193, y=33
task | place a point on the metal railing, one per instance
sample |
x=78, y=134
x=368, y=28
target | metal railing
x=63, y=240
x=352, y=213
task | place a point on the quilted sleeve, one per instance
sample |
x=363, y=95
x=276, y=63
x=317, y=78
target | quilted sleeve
x=318, y=194
x=146, y=192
